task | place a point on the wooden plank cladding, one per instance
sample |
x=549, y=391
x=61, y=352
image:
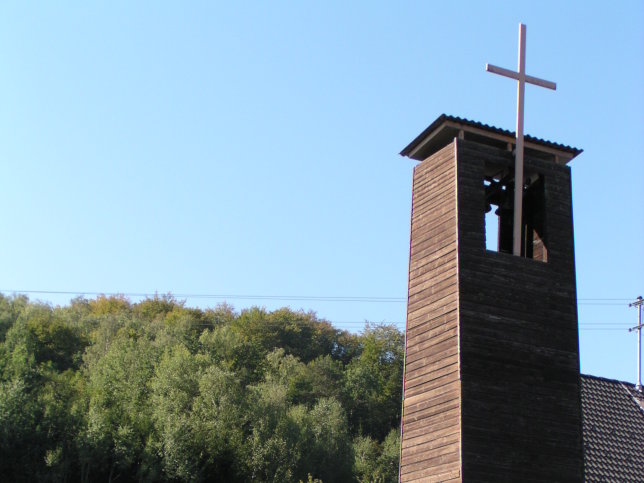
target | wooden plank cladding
x=430, y=444
x=518, y=347
x=491, y=376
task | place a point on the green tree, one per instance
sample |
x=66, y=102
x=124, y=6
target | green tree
x=119, y=419
x=219, y=421
x=374, y=382
x=390, y=456
x=46, y=336
x=105, y=389
x=10, y=310
x=61, y=398
x=328, y=453
x=229, y=349
x=174, y=389
x=377, y=462
x=289, y=441
x=272, y=447
x=21, y=439
x=366, y=451
x=300, y=334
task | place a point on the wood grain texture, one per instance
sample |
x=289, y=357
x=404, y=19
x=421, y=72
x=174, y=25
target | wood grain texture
x=430, y=444
x=519, y=355
x=491, y=380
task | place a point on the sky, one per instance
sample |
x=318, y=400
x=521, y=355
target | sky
x=247, y=152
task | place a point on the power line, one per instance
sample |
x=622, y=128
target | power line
x=606, y=299
x=601, y=303
x=600, y=329
x=322, y=298
x=309, y=298
x=583, y=326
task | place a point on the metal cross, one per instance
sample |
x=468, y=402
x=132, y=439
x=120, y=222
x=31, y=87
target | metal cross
x=522, y=78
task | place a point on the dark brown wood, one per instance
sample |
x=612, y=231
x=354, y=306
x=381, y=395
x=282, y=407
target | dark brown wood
x=431, y=409
x=518, y=342
x=491, y=382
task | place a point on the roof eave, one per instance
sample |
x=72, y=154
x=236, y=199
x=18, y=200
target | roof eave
x=562, y=153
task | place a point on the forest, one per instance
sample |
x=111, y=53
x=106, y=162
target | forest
x=107, y=389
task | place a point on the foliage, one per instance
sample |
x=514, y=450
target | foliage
x=107, y=389
x=374, y=381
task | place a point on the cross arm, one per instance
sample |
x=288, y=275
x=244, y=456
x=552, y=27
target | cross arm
x=515, y=75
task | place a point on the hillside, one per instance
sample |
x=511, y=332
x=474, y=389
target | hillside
x=110, y=390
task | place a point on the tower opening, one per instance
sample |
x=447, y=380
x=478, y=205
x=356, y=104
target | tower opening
x=499, y=190
x=498, y=184
x=534, y=234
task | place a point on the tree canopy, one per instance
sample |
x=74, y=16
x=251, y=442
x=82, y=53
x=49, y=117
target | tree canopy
x=106, y=390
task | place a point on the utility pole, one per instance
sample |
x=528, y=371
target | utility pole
x=638, y=304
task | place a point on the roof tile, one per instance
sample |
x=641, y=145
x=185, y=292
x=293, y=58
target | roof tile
x=613, y=430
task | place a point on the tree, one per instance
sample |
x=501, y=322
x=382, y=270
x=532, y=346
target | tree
x=119, y=420
x=374, y=382
x=328, y=452
x=21, y=441
x=300, y=334
x=10, y=310
x=377, y=462
x=153, y=391
x=47, y=336
x=291, y=441
x=219, y=422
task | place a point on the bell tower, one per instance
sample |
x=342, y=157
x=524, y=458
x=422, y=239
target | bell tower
x=491, y=378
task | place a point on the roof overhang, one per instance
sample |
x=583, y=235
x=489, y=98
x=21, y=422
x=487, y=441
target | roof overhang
x=444, y=129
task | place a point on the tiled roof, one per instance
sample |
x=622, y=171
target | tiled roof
x=613, y=430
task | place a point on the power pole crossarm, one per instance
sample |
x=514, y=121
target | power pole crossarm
x=638, y=303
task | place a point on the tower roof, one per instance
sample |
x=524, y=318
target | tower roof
x=445, y=128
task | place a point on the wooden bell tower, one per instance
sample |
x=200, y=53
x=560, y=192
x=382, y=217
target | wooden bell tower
x=491, y=379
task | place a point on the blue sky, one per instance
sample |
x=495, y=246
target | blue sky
x=248, y=148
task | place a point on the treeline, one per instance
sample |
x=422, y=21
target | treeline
x=110, y=390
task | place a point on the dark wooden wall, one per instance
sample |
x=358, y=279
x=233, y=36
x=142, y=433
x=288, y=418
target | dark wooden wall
x=491, y=384
x=519, y=352
x=430, y=445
